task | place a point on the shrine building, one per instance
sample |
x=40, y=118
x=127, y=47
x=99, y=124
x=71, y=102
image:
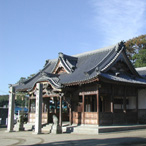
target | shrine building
x=99, y=87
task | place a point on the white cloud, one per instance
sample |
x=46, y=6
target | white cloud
x=119, y=20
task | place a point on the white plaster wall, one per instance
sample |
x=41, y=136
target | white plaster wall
x=142, y=99
x=131, y=105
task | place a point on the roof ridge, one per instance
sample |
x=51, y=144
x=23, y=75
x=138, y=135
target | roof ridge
x=95, y=51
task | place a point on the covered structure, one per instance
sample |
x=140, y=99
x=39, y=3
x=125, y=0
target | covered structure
x=99, y=87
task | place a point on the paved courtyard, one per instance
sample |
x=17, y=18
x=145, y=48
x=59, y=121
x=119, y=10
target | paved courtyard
x=136, y=138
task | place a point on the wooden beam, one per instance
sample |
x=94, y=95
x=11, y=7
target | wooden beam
x=50, y=95
x=88, y=93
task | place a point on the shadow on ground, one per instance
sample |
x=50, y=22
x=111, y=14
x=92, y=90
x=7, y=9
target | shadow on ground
x=134, y=141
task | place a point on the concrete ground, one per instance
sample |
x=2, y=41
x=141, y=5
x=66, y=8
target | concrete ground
x=135, y=137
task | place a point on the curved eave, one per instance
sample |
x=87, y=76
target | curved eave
x=123, y=81
x=66, y=67
x=94, y=79
x=108, y=66
x=52, y=83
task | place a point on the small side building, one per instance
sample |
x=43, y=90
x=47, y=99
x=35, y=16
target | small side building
x=142, y=98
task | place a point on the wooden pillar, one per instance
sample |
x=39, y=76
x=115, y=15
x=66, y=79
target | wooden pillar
x=83, y=108
x=29, y=103
x=70, y=115
x=43, y=106
x=55, y=101
x=124, y=100
x=103, y=104
x=29, y=108
x=11, y=109
x=70, y=110
x=60, y=111
x=38, y=115
x=112, y=100
x=48, y=110
x=97, y=95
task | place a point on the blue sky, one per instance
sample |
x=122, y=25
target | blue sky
x=32, y=31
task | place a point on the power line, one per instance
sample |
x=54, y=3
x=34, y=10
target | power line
x=13, y=93
x=3, y=92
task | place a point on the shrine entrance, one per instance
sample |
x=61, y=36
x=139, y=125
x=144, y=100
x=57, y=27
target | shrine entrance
x=88, y=113
x=90, y=103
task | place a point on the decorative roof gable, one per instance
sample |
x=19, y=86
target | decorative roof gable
x=65, y=64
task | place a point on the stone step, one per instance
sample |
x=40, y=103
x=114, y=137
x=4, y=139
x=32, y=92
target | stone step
x=47, y=128
x=93, y=129
x=17, y=127
x=105, y=129
x=29, y=126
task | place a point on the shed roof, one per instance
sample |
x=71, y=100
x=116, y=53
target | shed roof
x=142, y=71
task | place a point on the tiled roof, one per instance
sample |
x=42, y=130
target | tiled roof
x=124, y=78
x=81, y=67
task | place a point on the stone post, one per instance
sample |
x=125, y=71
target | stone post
x=38, y=115
x=11, y=109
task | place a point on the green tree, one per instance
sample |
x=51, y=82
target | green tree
x=140, y=58
x=21, y=99
x=4, y=99
x=30, y=76
x=136, y=49
x=22, y=79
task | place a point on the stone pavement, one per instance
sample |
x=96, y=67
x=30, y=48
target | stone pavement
x=136, y=138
